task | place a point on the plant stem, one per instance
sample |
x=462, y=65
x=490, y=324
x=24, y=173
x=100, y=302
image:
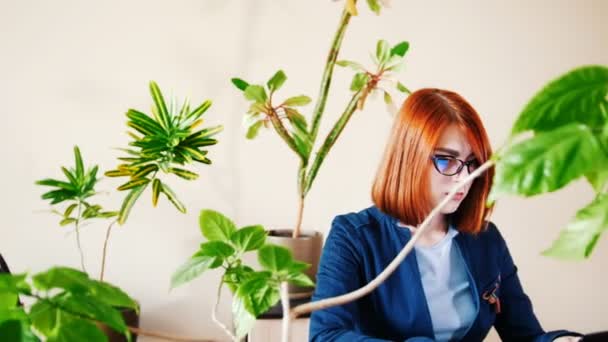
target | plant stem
x=105, y=246
x=214, y=314
x=282, y=131
x=286, y=331
x=327, y=74
x=354, y=295
x=77, y=227
x=296, y=231
x=331, y=139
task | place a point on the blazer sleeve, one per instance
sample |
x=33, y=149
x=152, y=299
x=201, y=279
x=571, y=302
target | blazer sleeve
x=339, y=273
x=517, y=321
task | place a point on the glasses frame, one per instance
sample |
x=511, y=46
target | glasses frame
x=460, y=167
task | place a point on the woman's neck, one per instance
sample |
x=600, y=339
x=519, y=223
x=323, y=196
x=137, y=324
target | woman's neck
x=437, y=229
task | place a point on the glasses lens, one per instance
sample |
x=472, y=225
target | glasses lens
x=446, y=165
x=472, y=165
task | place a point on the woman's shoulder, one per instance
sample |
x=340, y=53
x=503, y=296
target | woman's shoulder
x=364, y=219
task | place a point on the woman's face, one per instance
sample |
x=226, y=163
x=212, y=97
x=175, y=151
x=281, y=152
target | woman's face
x=452, y=145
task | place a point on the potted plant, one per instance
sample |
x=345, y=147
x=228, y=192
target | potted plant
x=253, y=292
x=300, y=136
x=165, y=141
x=67, y=306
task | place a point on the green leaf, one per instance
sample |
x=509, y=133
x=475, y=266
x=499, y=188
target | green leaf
x=144, y=121
x=45, y=317
x=579, y=96
x=546, y=162
x=64, y=278
x=382, y=51
x=13, y=313
x=185, y=174
x=400, y=49
x=274, y=258
x=374, y=5
x=111, y=295
x=172, y=197
x=257, y=294
x=353, y=65
x=57, y=183
x=218, y=249
x=128, y=202
x=199, y=111
x=598, y=177
x=191, y=269
x=243, y=319
x=276, y=81
x=75, y=329
x=15, y=330
x=240, y=84
x=254, y=129
x=67, y=221
x=70, y=175
x=301, y=100
x=156, y=186
x=236, y=275
x=79, y=164
x=135, y=183
x=161, y=107
x=145, y=170
x=256, y=93
x=216, y=226
x=403, y=88
x=300, y=279
x=14, y=283
x=359, y=81
x=581, y=235
x=89, y=307
x=117, y=173
x=249, y=238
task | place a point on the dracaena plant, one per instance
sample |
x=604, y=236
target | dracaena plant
x=254, y=292
x=166, y=142
x=66, y=306
x=76, y=191
x=292, y=126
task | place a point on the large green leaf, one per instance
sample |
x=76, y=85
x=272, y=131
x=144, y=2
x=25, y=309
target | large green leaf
x=258, y=294
x=191, y=269
x=236, y=275
x=14, y=283
x=239, y=83
x=76, y=329
x=580, y=236
x=576, y=97
x=88, y=306
x=111, y=295
x=45, y=317
x=400, y=49
x=218, y=249
x=215, y=226
x=300, y=279
x=300, y=100
x=145, y=121
x=275, y=258
x=64, y=278
x=546, y=162
x=249, y=238
x=276, y=81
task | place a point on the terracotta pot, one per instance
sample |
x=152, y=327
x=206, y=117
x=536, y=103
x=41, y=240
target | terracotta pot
x=306, y=248
x=131, y=319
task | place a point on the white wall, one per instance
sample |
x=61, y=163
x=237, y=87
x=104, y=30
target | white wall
x=70, y=70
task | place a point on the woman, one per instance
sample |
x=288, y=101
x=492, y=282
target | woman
x=460, y=279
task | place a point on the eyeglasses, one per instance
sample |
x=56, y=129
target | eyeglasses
x=450, y=166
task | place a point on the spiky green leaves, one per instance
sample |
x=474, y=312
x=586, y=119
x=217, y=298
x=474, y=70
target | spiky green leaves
x=162, y=143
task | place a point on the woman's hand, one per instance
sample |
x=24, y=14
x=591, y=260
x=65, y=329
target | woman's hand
x=568, y=339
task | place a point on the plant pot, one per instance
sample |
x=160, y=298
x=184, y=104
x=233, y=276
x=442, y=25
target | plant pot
x=131, y=319
x=306, y=248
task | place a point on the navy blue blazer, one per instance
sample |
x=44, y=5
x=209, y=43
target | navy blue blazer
x=360, y=245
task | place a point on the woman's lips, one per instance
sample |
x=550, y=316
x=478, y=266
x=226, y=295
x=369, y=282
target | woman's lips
x=458, y=196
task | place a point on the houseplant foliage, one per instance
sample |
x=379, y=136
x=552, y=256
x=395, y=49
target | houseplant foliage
x=291, y=125
x=166, y=141
x=568, y=120
x=67, y=305
x=76, y=191
x=254, y=292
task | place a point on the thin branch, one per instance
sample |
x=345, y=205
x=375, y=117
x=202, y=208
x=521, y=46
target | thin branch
x=77, y=225
x=286, y=336
x=349, y=297
x=105, y=245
